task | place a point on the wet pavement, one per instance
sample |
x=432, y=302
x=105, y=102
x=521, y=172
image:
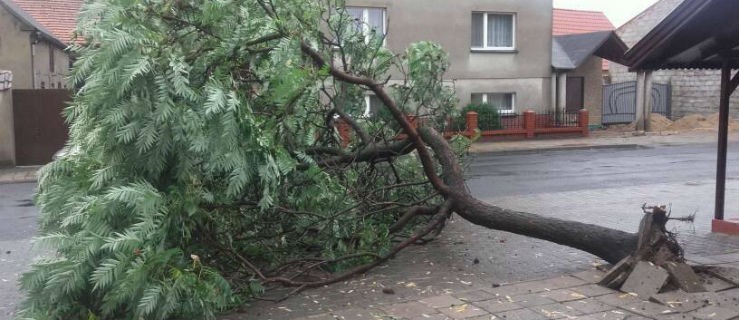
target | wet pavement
x=17, y=227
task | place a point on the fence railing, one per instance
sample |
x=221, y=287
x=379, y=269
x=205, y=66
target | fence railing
x=528, y=124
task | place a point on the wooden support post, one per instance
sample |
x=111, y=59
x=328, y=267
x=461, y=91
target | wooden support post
x=643, y=99
x=723, y=130
x=648, y=107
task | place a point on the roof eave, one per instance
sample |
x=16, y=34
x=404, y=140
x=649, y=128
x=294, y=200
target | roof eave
x=663, y=32
x=26, y=19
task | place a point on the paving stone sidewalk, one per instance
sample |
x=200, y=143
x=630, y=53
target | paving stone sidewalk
x=572, y=296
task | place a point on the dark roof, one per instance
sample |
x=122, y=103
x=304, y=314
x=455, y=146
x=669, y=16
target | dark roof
x=571, y=51
x=28, y=20
x=697, y=34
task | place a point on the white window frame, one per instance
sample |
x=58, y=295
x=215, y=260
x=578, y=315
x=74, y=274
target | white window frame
x=513, y=101
x=365, y=21
x=485, y=46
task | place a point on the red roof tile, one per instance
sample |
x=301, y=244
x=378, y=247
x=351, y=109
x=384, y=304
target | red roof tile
x=567, y=21
x=59, y=16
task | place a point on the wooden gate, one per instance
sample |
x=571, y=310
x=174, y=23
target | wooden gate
x=40, y=130
x=619, y=101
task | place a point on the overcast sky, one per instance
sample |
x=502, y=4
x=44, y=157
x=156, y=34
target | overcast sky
x=618, y=11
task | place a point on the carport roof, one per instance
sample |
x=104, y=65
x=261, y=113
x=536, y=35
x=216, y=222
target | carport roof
x=700, y=34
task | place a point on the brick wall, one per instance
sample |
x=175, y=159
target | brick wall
x=693, y=91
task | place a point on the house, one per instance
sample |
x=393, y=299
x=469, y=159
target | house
x=693, y=90
x=500, y=51
x=580, y=40
x=34, y=36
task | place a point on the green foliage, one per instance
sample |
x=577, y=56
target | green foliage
x=488, y=117
x=192, y=148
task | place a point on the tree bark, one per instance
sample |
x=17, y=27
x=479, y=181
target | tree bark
x=610, y=244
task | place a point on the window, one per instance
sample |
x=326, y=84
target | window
x=51, y=59
x=493, y=31
x=368, y=19
x=504, y=102
x=371, y=105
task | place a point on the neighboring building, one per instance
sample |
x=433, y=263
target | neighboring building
x=580, y=39
x=500, y=51
x=34, y=35
x=693, y=91
x=568, y=22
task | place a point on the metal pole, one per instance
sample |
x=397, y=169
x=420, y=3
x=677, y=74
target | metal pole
x=723, y=130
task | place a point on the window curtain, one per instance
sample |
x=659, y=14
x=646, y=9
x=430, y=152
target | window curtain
x=376, y=19
x=500, y=30
x=501, y=101
x=476, y=98
x=358, y=15
x=478, y=21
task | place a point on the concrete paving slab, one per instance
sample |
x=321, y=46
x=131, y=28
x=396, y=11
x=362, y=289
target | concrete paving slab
x=715, y=313
x=606, y=315
x=648, y=309
x=532, y=300
x=589, y=305
x=444, y=301
x=556, y=311
x=463, y=311
x=564, y=295
x=521, y=314
x=618, y=299
x=645, y=280
x=498, y=305
x=593, y=290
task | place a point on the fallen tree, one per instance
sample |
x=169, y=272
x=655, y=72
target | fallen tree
x=204, y=164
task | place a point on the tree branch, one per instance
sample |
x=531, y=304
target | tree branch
x=378, y=89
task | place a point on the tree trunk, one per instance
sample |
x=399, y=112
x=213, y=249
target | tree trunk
x=609, y=244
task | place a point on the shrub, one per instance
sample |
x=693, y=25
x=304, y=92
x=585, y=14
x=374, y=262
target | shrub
x=487, y=115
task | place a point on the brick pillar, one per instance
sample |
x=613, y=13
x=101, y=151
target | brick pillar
x=583, y=121
x=471, y=119
x=344, y=132
x=529, y=123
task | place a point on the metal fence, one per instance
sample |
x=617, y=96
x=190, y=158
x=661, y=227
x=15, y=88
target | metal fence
x=619, y=101
x=557, y=120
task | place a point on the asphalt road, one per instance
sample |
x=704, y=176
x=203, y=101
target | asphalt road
x=551, y=182
x=17, y=227
x=526, y=173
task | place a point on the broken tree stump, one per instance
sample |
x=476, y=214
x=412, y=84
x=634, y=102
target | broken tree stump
x=656, y=259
